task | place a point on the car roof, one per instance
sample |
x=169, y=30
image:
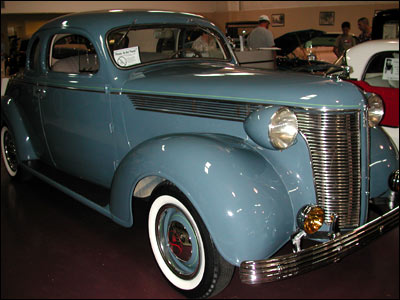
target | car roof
x=104, y=20
x=358, y=56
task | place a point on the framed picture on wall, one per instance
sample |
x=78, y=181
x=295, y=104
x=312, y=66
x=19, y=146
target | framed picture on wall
x=278, y=20
x=326, y=18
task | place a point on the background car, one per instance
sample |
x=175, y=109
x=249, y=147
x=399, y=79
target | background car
x=374, y=67
x=385, y=24
x=309, y=50
x=320, y=47
x=300, y=44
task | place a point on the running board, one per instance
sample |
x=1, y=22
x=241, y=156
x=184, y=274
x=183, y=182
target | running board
x=90, y=194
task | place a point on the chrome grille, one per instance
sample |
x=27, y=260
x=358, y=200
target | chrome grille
x=334, y=143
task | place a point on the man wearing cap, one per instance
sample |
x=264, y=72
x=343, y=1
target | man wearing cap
x=260, y=36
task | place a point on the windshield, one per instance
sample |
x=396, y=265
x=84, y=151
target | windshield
x=129, y=48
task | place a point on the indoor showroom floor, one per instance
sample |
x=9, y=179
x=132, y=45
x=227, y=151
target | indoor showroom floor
x=54, y=247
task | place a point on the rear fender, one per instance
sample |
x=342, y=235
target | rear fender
x=237, y=193
x=11, y=116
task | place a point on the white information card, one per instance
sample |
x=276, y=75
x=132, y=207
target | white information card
x=127, y=57
x=391, y=69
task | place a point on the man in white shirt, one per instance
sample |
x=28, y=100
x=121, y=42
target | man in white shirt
x=260, y=36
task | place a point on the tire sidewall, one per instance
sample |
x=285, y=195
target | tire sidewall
x=4, y=130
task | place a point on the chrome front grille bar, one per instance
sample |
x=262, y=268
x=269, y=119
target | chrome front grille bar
x=334, y=143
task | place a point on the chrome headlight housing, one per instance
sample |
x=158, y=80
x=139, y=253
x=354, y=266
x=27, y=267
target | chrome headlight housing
x=375, y=110
x=272, y=127
x=283, y=128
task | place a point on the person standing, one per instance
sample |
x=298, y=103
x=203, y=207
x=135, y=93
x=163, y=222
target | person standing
x=261, y=36
x=366, y=30
x=344, y=41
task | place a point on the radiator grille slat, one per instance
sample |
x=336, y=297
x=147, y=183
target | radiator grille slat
x=334, y=145
x=208, y=108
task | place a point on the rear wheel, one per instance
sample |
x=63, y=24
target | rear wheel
x=9, y=155
x=9, y=151
x=183, y=247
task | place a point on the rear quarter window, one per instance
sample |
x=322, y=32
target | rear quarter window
x=72, y=53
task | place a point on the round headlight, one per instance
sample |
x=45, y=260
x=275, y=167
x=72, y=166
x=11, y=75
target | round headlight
x=375, y=110
x=283, y=128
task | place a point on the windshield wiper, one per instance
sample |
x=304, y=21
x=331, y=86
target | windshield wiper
x=126, y=33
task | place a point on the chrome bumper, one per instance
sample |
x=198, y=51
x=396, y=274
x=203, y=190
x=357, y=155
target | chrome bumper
x=285, y=266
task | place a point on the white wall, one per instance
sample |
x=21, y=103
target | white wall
x=29, y=7
x=259, y=5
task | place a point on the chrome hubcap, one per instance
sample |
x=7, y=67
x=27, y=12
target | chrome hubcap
x=177, y=242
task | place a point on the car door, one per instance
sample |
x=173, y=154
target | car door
x=76, y=109
x=29, y=94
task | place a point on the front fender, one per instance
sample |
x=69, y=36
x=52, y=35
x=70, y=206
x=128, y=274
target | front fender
x=11, y=115
x=384, y=160
x=240, y=198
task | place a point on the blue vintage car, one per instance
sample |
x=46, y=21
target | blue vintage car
x=122, y=106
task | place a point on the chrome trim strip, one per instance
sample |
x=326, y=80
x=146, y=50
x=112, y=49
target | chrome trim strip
x=99, y=89
x=73, y=88
x=286, y=266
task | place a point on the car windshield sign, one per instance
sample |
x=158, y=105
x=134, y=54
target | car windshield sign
x=133, y=47
x=127, y=57
x=391, y=69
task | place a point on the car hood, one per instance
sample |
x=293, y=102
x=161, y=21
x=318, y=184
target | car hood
x=291, y=40
x=228, y=82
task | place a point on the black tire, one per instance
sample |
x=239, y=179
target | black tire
x=182, y=246
x=9, y=155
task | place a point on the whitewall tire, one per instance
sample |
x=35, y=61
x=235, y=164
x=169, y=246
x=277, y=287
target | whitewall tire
x=9, y=152
x=182, y=246
x=166, y=213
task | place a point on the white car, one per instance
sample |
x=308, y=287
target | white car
x=374, y=67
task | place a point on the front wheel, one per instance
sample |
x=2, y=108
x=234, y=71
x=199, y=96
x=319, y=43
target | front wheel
x=183, y=247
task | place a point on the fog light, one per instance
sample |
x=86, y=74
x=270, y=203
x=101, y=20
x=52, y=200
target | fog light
x=310, y=218
x=394, y=181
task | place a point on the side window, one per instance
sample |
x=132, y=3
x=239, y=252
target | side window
x=34, y=56
x=383, y=70
x=72, y=53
